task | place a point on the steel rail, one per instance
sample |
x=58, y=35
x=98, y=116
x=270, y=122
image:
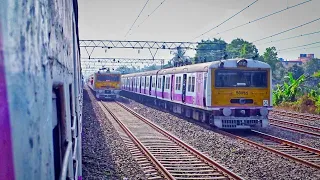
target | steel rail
x=311, y=117
x=183, y=144
x=159, y=166
x=281, y=142
x=284, y=124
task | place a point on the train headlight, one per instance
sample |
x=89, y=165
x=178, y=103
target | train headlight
x=264, y=111
x=242, y=63
x=226, y=111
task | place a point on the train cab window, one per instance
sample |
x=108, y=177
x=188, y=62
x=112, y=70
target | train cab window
x=241, y=78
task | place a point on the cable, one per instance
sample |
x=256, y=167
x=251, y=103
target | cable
x=151, y=13
x=227, y=19
x=298, y=46
x=292, y=37
x=137, y=17
x=287, y=30
x=301, y=48
x=263, y=17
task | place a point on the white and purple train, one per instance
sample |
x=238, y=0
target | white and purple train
x=229, y=94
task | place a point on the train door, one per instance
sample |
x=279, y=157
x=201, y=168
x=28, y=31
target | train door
x=163, y=83
x=184, y=86
x=145, y=84
x=172, y=86
x=204, y=89
x=150, y=85
x=140, y=84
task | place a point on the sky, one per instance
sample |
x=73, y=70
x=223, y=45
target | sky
x=184, y=20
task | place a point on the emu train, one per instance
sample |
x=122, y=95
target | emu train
x=228, y=94
x=105, y=84
x=40, y=90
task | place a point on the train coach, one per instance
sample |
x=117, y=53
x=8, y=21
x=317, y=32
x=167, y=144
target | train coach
x=105, y=84
x=40, y=90
x=228, y=94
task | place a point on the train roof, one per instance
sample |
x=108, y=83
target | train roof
x=201, y=67
x=107, y=72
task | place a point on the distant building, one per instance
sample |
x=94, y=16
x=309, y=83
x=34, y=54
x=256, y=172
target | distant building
x=300, y=61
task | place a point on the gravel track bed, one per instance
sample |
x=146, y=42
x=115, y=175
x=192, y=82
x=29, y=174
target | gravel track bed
x=249, y=162
x=297, y=137
x=104, y=155
x=315, y=123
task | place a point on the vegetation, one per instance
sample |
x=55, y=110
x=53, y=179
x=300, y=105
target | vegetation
x=295, y=95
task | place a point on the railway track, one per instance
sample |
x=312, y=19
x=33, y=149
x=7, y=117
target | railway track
x=160, y=154
x=304, y=116
x=295, y=126
x=297, y=152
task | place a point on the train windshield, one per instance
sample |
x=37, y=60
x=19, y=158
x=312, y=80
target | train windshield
x=108, y=77
x=241, y=78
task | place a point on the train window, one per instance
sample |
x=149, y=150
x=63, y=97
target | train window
x=178, y=82
x=147, y=82
x=153, y=82
x=167, y=82
x=205, y=84
x=108, y=77
x=142, y=82
x=159, y=83
x=189, y=84
x=241, y=78
x=193, y=81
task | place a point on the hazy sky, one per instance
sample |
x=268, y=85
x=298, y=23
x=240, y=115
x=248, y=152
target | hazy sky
x=183, y=20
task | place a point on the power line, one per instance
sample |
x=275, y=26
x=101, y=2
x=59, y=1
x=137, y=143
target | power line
x=137, y=17
x=227, y=19
x=263, y=17
x=292, y=37
x=287, y=30
x=151, y=13
x=299, y=46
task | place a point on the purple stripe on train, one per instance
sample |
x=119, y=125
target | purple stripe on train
x=6, y=154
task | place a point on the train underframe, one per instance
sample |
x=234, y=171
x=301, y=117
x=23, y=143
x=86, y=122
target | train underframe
x=106, y=94
x=214, y=118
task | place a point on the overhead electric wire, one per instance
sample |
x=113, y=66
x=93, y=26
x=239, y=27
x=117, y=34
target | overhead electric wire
x=298, y=46
x=292, y=37
x=301, y=48
x=263, y=17
x=227, y=19
x=151, y=13
x=137, y=17
x=296, y=27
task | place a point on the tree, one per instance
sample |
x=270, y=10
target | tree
x=248, y=50
x=179, y=58
x=270, y=57
x=312, y=66
x=239, y=48
x=296, y=71
x=210, y=52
